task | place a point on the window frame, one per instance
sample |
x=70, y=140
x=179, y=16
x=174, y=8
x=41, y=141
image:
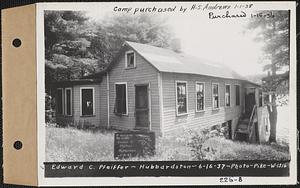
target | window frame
x=212, y=95
x=198, y=82
x=134, y=59
x=81, y=88
x=122, y=83
x=71, y=101
x=230, y=103
x=176, y=98
x=236, y=95
x=62, y=101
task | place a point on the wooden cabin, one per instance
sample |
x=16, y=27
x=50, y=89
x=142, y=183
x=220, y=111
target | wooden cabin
x=155, y=89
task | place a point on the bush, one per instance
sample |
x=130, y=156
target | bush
x=211, y=144
x=49, y=112
x=196, y=142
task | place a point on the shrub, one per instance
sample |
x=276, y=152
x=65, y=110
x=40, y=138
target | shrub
x=49, y=106
x=196, y=142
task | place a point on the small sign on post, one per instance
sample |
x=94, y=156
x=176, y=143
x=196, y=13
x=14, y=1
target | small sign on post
x=134, y=144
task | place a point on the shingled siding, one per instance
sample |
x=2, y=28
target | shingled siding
x=144, y=73
x=193, y=119
x=87, y=120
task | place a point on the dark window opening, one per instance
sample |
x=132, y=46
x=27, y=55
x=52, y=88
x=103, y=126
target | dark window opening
x=68, y=102
x=59, y=101
x=227, y=95
x=130, y=59
x=120, y=103
x=237, y=95
x=87, y=102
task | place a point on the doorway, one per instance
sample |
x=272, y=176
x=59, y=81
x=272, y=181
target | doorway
x=141, y=107
x=249, y=101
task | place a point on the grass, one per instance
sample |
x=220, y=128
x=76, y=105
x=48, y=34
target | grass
x=223, y=149
x=69, y=144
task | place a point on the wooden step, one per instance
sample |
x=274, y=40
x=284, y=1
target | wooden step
x=244, y=121
x=242, y=131
x=242, y=128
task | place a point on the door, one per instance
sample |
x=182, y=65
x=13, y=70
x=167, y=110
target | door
x=141, y=107
x=249, y=101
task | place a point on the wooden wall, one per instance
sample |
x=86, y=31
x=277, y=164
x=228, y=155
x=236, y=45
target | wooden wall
x=100, y=116
x=209, y=116
x=144, y=73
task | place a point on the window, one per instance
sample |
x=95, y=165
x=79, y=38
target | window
x=199, y=96
x=130, y=59
x=68, y=101
x=215, y=95
x=260, y=98
x=237, y=95
x=121, y=107
x=227, y=95
x=181, y=97
x=87, y=101
x=59, y=101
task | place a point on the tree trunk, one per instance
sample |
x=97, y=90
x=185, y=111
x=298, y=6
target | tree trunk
x=273, y=119
x=273, y=111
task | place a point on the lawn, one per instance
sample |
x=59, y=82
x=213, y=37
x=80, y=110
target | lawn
x=69, y=144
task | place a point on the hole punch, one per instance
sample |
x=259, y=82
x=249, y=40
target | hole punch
x=18, y=145
x=17, y=42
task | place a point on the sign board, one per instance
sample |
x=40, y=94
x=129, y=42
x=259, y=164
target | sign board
x=134, y=144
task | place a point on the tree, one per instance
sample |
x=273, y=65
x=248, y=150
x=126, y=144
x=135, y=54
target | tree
x=76, y=46
x=274, y=31
x=114, y=30
x=67, y=35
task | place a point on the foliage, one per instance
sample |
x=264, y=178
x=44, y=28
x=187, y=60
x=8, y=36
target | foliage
x=76, y=46
x=196, y=142
x=274, y=31
x=49, y=105
x=67, y=46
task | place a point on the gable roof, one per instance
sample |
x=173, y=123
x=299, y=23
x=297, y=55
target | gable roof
x=166, y=60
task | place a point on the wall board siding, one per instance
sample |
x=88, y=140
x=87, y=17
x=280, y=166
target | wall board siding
x=103, y=102
x=144, y=73
x=94, y=120
x=195, y=119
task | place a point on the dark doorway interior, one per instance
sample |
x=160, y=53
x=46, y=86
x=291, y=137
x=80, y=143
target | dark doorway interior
x=249, y=101
x=142, y=107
